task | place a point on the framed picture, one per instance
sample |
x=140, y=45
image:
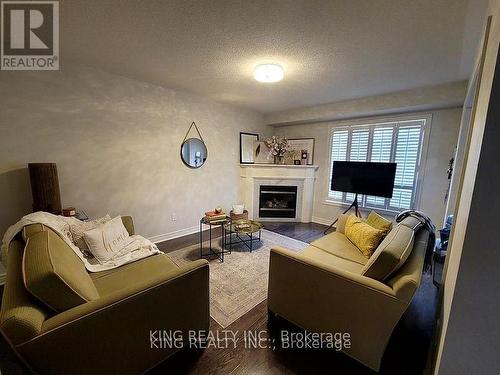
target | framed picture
x=292, y=157
x=261, y=154
x=247, y=147
x=300, y=146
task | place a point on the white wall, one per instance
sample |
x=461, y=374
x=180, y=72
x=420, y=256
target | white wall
x=442, y=141
x=469, y=335
x=116, y=142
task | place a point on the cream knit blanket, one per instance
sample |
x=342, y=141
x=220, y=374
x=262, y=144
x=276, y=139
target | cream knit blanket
x=139, y=248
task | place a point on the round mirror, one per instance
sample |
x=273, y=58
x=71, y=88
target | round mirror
x=193, y=152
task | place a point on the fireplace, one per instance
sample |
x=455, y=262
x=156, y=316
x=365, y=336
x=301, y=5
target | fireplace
x=277, y=201
x=272, y=177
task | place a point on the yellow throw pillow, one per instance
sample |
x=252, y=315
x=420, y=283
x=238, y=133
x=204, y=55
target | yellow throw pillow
x=364, y=236
x=379, y=222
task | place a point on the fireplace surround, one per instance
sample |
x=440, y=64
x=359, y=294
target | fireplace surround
x=255, y=178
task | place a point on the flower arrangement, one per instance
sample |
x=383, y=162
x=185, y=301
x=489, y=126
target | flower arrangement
x=278, y=146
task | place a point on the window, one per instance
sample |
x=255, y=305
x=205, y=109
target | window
x=397, y=141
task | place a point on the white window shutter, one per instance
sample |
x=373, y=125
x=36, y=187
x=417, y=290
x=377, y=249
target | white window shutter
x=381, y=152
x=340, y=140
x=399, y=142
x=358, y=152
x=406, y=156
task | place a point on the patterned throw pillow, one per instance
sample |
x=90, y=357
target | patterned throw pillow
x=363, y=236
x=379, y=222
x=77, y=231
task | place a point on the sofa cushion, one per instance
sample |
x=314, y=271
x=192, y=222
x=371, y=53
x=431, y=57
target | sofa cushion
x=339, y=245
x=110, y=281
x=411, y=222
x=340, y=227
x=54, y=274
x=364, y=236
x=390, y=254
x=30, y=230
x=22, y=316
x=379, y=222
x=332, y=260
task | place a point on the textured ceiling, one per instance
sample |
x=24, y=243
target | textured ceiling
x=331, y=50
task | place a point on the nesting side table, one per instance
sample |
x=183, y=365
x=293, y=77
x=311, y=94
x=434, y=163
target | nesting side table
x=218, y=252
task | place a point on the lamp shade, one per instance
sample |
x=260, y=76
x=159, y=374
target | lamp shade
x=45, y=187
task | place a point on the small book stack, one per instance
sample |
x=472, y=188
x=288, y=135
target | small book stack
x=215, y=217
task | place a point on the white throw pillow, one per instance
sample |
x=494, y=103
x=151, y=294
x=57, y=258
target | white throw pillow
x=107, y=240
x=79, y=228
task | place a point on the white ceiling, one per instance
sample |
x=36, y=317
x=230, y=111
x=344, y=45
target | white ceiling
x=331, y=50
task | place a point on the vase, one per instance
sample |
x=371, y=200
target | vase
x=278, y=159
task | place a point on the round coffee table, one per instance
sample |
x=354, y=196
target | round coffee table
x=245, y=232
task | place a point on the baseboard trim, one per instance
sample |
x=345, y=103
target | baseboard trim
x=187, y=231
x=321, y=220
x=174, y=234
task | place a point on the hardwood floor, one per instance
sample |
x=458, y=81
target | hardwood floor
x=406, y=352
x=305, y=232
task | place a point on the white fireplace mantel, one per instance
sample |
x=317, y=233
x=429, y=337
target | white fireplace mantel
x=302, y=176
x=280, y=166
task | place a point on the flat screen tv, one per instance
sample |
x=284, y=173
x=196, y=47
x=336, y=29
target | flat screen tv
x=364, y=178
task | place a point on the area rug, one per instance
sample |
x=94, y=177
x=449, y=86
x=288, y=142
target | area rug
x=240, y=283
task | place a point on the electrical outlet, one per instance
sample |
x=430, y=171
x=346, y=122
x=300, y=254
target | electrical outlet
x=173, y=217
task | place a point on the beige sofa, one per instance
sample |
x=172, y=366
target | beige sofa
x=331, y=287
x=110, y=334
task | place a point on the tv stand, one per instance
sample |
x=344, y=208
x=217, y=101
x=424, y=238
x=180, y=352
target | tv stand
x=354, y=205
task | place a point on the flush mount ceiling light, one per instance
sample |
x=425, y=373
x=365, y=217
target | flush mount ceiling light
x=268, y=73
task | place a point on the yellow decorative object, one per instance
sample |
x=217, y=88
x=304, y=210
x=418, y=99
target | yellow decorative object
x=364, y=236
x=379, y=222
